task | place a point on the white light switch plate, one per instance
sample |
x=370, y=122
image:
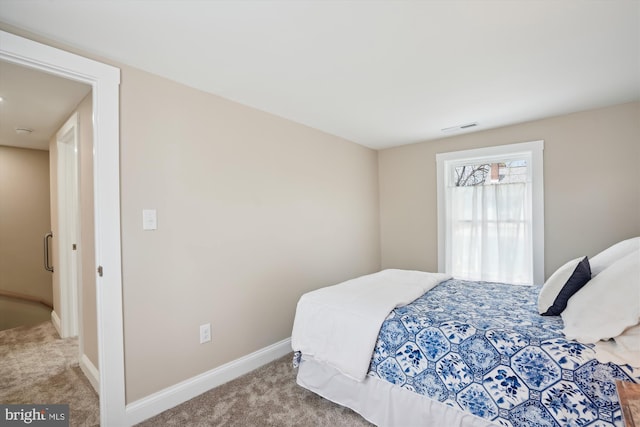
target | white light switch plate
x=149, y=219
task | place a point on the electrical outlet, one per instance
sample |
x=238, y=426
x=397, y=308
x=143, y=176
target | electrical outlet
x=205, y=333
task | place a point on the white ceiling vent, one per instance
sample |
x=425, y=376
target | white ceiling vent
x=460, y=127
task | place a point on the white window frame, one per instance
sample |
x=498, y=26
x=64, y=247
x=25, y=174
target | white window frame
x=534, y=151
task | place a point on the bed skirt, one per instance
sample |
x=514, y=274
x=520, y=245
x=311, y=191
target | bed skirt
x=380, y=402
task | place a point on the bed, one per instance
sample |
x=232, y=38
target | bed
x=459, y=353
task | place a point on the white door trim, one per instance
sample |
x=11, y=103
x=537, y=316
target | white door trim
x=105, y=81
x=67, y=159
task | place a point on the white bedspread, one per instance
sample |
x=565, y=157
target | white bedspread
x=339, y=324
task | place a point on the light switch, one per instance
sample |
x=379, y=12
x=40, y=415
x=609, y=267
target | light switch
x=149, y=219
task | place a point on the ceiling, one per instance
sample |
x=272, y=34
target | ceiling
x=36, y=101
x=379, y=73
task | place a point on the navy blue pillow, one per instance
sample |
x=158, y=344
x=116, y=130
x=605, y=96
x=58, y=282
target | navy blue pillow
x=580, y=276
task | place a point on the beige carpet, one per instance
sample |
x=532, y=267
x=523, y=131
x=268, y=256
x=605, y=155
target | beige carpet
x=36, y=366
x=268, y=396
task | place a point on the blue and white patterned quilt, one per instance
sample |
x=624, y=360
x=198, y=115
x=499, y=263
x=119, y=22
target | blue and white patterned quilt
x=483, y=348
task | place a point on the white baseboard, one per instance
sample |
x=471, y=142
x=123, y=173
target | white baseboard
x=91, y=372
x=56, y=322
x=158, y=402
x=87, y=367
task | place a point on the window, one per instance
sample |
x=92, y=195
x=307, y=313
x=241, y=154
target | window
x=490, y=213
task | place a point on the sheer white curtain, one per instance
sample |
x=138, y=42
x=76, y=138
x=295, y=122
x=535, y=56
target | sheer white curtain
x=490, y=236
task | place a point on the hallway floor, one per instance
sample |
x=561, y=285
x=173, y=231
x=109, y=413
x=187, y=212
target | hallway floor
x=38, y=367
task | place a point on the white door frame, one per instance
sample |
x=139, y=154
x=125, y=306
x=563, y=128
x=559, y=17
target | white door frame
x=105, y=81
x=68, y=233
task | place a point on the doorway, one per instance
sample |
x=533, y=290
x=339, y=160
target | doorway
x=104, y=80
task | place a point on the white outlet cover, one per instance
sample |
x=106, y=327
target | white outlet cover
x=205, y=333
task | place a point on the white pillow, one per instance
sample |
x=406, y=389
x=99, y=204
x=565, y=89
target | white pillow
x=561, y=285
x=607, y=305
x=612, y=254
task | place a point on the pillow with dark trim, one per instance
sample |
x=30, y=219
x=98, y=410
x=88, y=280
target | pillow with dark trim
x=606, y=306
x=563, y=283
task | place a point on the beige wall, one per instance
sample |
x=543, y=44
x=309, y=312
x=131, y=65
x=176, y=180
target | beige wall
x=24, y=220
x=86, y=245
x=591, y=185
x=253, y=210
x=53, y=192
